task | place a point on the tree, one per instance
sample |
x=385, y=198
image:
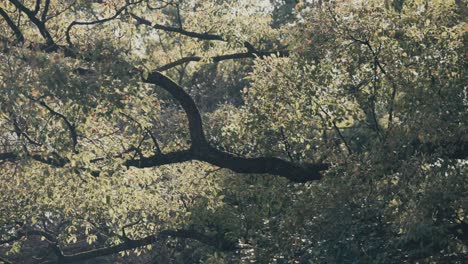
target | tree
x=224, y=131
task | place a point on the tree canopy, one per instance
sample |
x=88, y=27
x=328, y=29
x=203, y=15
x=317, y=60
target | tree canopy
x=222, y=131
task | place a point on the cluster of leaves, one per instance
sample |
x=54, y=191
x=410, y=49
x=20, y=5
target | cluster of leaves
x=382, y=91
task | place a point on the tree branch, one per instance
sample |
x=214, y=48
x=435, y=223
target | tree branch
x=128, y=244
x=45, y=11
x=202, y=36
x=54, y=159
x=53, y=242
x=99, y=21
x=192, y=34
x=201, y=150
x=18, y=34
x=132, y=244
x=37, y=7
x=71, y=127
x=219, y=58
x=39, y=24
x=2, y=259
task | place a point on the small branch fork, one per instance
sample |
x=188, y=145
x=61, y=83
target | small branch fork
x=40, y=24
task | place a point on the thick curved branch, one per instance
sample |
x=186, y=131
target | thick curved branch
x=201, y=150
x=264, y=165
x=197, y=135
x=18, y=34
x=8, y=156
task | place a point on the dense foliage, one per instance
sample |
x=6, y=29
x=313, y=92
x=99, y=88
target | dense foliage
x=220, y=131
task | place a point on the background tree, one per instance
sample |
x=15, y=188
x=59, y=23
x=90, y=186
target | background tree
x=231, y=131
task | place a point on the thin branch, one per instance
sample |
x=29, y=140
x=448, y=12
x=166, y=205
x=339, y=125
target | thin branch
x=132, y=244
x=179, y=62
x=148, y=5
x=124, y=235
x=155, y=141
x=287, y=145
x=53, y=159
x=37, y=7
x=2, y=259
x=392, y=105
x=338, y=131
x=179, y=18
x=71, y=127
x=20, y=132
x=57, y=13
x=202, y=36
x=373, y=98
x=219, y=58
x=45, y=11
x=99, y=21
x=147, y=130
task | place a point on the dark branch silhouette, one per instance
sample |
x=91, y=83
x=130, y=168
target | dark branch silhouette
x=201, y=150
x=233, y=56
x=18, y=34
x=50, y=43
